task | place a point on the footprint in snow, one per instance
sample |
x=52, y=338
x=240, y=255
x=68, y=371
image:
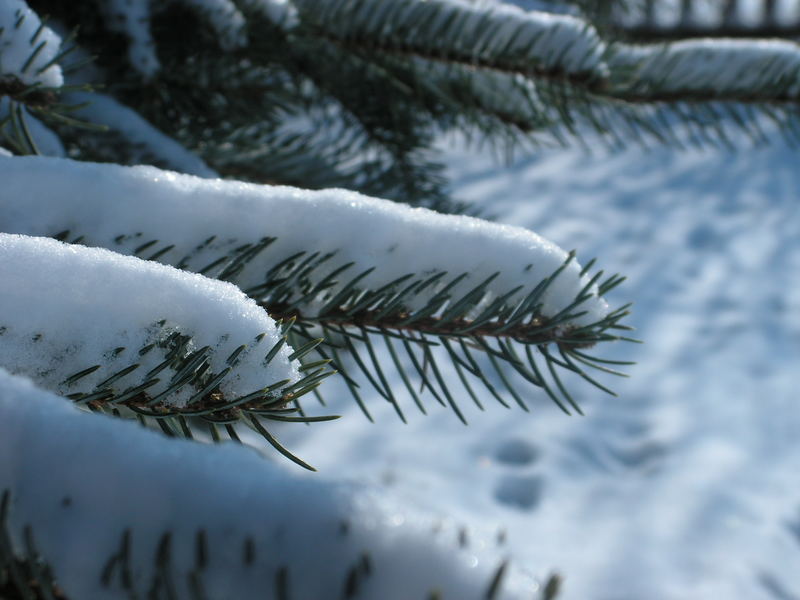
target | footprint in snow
x=516, y=452
x=518, y=491
x=523, y=493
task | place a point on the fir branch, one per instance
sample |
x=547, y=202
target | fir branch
x=309, y=294
x=32, y=95
x=107, y=354
x=187, y=369
x=623, y=79
x=537, y=45
x=288, y=107
x=439, y=307
x=32, y=90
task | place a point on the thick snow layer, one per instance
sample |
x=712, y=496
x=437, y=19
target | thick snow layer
x=722, y=66
x=105, y=475
x=103, y=202
x=66, y=308
x=22, y=35
x=102, y=109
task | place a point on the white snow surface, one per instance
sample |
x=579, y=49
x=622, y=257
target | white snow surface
x=21, y=35
x=65, y=308
x=103, y=202
x=80, y=479
x=683, y=488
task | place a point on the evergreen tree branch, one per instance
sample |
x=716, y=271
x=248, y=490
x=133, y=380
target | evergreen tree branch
x=115, y=354
x=438, y=309
x=607, y=93
x=527, y=77
x=557, y=48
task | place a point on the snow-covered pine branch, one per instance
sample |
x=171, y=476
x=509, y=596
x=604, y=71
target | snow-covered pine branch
x=345, y=266
x=120, y=334
x=544, y=46
x=30, y=75
x=563, y=75
x=711, y=69
x=581, y=76
x=563, y=78
x=501, y=37
x=34, y=66
x=113, y=510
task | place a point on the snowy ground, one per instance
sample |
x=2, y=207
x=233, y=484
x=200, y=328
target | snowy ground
x=685, y=487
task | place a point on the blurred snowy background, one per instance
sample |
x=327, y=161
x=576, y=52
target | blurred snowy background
x=686, y=485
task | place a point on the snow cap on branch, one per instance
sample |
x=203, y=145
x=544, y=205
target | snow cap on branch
x=124, y=208
x=499, y=35
x=106, y=475
x=721, y=66
x=28, y=48
x=67, y=307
